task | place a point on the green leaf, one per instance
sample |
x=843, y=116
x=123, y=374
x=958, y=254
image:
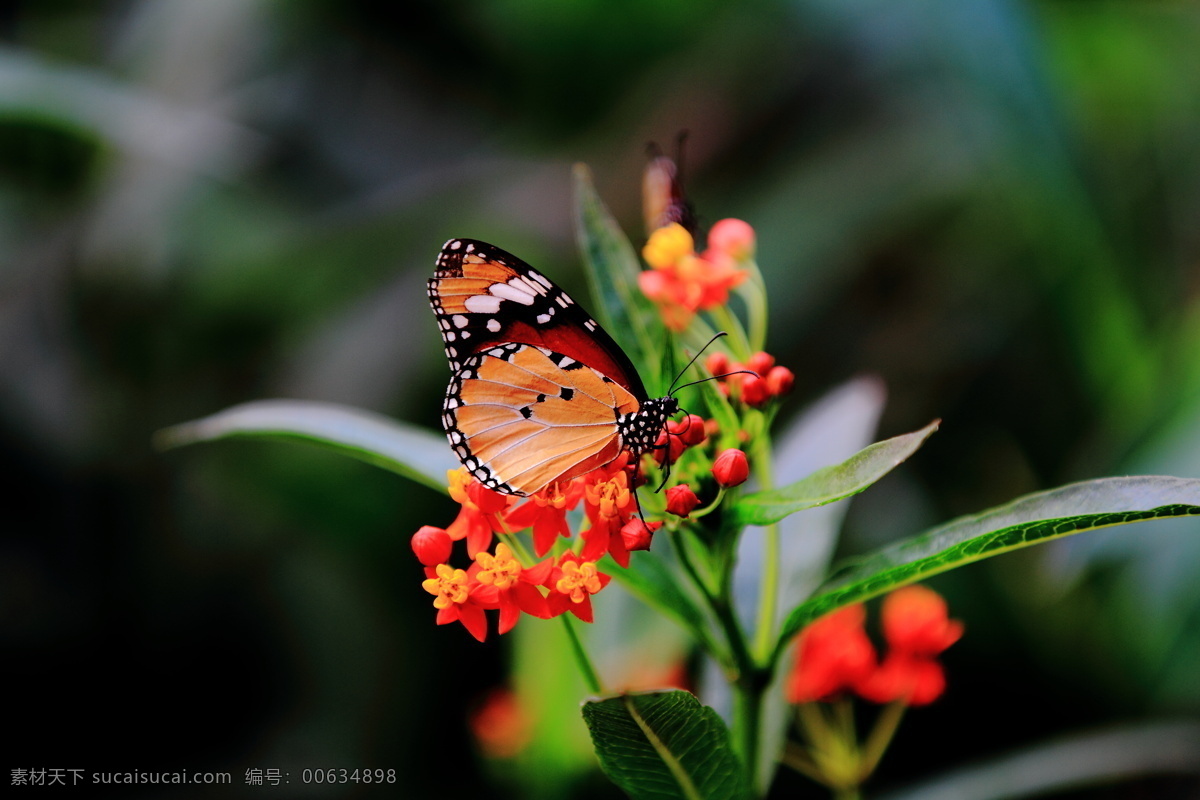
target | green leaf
x=831, y=483
x=719, y=407
x=1026, y=521
x=661, y=745
x=413, y=452
x=612, y=269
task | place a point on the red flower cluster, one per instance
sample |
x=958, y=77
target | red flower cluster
x=834, y=655
x=767, y=382
x=682, y=282
x=499, y=580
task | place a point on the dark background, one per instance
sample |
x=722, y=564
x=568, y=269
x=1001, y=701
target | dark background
x=993, y=205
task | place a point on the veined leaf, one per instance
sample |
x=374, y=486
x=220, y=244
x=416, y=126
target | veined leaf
x=663, y=746
x=408, y=450
x=1029, y=520
x=831, y=483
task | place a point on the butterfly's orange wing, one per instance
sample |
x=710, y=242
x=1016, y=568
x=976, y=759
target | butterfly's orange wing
x=540, y=391
x=519, y=417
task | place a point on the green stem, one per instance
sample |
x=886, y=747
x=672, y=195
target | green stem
x=748, y=688
x=747, y=681
x=768, y=598
x=747, y=723
x=590, y=676
x=676, y=540
x=881, y=736
x=689, y=566
x=711, y=507
x=796, y=757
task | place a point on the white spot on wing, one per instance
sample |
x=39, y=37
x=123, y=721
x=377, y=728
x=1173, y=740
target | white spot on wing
x=493, y=325
x=528, y=284
x=459, y=321
x=543, y=319
x=507, y=291
x=482, y=303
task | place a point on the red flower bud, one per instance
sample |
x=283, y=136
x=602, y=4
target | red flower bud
x=731, y=468
x=681, y=500
x=732, y=237
x=691, y=430
x=432, y=545
x=760, y=363
x=717, y=363
x=754, y=391
x=637, y=534
x=779, y=381
x=668, y=446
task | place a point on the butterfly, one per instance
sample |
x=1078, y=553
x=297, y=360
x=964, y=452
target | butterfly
x=539, y=391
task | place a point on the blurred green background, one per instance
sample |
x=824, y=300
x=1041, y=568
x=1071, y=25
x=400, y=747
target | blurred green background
x=994, y=205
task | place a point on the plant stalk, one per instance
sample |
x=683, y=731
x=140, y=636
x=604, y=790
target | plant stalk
x=586, y=668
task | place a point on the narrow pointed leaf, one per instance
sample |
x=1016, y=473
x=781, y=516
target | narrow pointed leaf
x=1029, y=520
x=416, y=453
x=831, y=483
x=612, y=268
x=664, y=746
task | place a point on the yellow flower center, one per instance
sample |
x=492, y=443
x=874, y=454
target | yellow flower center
x=458, y=480
x=500, y=570
x=611, y=496
x=449, y=587
x=552, y=495
x=579, y=580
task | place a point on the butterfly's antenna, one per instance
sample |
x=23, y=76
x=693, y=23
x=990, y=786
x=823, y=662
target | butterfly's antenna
x=722, y=375
x=672, y=390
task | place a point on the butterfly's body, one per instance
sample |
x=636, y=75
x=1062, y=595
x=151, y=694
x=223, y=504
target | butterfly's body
x=540, y=392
